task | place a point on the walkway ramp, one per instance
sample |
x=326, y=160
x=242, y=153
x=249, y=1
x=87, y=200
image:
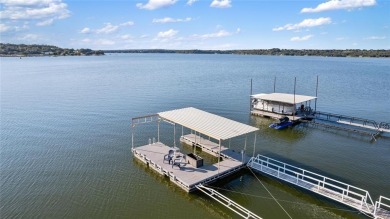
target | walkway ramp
x=243, y=212
x=365, y=124
x=349, y=195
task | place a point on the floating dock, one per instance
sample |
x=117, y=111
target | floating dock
x=169, y=161
x=185, y=176
x=279, y=105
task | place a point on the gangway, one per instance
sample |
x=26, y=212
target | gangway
x=354, y=121
x=344, y=193
x=243, y=212
x=382, y=210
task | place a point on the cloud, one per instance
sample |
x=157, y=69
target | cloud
x=4, y=28
x=45, y=22
x=29, y=37
x=98, y=42
x=171, y=20
x=190, y=2
x=167, y=34
x=86, y=30
x=221, y=4
x=300, y=39
x=33, y=9
x=108, y=28
x=340, y=4
x=341, y=38
x=218, y=34
x=305, y=24
x=375, y=38
x=155, y=4
x=129, y=23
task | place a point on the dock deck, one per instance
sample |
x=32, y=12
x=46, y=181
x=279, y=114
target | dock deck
x=213, y=148
x=185, y=176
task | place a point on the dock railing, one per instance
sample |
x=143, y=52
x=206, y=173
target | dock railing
x=232, y=205
x=342, y=192
x=364, y=122
x=382, y=210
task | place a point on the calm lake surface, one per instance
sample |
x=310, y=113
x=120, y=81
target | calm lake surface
x=66, y=137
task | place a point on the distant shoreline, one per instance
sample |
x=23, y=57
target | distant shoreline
x=23, y=50
x=273, y=52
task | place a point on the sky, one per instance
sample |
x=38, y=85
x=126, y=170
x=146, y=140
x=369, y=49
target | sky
x=197, y=24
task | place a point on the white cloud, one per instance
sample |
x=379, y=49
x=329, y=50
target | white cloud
x=340, y=4
x=375, y=38
x=171, y=20
x=341, y=38
x=155, y=4
x=167, y=34
x=29, y=37
x=299, y=39
x=221, y=4
x=218, y=34
x=86, y=30
x=190, y=2
x=108, y=28
x=104, y=42
x=98, y=42
x=4, y=28
x=126, y=37
x=45, y=22
x=305, y=24
x=33, y=9
x=129, y=23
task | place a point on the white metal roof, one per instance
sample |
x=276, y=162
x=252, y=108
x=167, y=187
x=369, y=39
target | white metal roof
x=206, y=123
x=284, y=98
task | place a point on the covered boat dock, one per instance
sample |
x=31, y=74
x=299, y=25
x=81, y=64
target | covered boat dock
x=278, y=105
x=201, y=129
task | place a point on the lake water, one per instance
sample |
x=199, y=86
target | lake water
x=66, y=137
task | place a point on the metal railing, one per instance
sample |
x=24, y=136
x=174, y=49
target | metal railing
x=243, y=212
x=382, y=210
x=351, y=119
x=342, y=192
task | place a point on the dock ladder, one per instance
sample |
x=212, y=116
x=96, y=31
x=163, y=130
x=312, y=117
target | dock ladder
x=349, y=195
x=243, y=212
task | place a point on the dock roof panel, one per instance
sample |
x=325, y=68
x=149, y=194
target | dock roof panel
x=284, y=98
x=206, y=123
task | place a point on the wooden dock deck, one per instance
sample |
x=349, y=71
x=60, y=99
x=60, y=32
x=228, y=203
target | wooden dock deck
x=185, y=176
x=213, y=148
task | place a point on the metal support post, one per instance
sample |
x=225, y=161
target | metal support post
x=254, y=146
x=219, y=155
x=158, y=131
x=132, y=136
x=174, y=135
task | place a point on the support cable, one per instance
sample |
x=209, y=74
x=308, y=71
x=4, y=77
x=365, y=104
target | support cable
x=271, y=194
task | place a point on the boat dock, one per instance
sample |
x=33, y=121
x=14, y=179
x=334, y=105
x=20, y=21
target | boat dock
x=181, y=173
x=212, y=134
x=279, y=105
x=344, y=193
x=187, y=170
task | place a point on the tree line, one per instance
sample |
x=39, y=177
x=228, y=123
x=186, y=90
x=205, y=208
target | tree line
x=274, y=52
x=43, y=50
